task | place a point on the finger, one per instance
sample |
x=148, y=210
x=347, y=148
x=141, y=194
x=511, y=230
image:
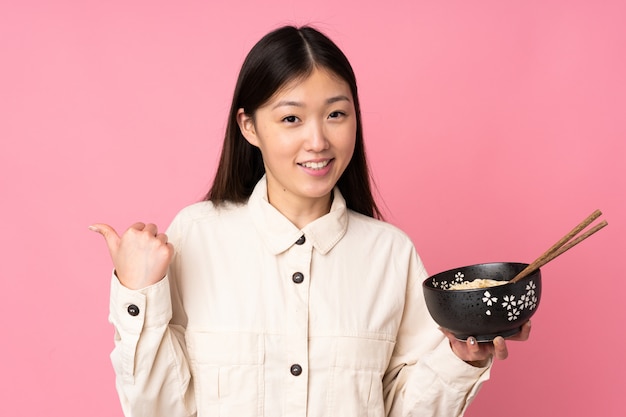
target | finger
x=525, y=332
x=500, y=349
x=111, y=237
x=444, y=331
x=472, y=345
x=138, y=226
x=151, y=228
x=162, y=237
x=448, y=334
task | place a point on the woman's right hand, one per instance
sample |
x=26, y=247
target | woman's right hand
x=140, y=256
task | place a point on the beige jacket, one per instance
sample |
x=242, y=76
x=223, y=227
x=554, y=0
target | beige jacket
x=250, y=323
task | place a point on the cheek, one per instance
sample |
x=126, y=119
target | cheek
x=347, y=140
x=269, y=139
x=277, y=147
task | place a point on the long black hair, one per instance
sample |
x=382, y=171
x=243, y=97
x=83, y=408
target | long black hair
x=283, y=55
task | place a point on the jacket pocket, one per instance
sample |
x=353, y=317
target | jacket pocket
x=358, y=367
x=227, y=369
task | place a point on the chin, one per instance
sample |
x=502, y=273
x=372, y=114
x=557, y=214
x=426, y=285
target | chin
x=318, y=192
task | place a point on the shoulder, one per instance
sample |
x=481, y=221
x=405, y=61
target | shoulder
x=204, y=211
x=371, y=229
x=360, y=221
x=201, y=216
x=379, y=238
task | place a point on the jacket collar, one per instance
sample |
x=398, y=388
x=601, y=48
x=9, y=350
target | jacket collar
x=279, y=234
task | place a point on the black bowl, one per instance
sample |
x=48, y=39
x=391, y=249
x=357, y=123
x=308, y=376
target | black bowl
x=484, y=312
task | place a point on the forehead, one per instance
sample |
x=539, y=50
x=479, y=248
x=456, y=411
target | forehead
x=320, y=81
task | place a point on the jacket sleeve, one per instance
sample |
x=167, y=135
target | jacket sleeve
x=425, y=378
x=150, y=360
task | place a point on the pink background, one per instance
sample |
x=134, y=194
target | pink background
x=493, y=127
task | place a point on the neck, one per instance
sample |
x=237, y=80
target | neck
x=300, y=211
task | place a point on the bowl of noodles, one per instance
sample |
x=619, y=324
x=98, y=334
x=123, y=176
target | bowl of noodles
x=477, y=300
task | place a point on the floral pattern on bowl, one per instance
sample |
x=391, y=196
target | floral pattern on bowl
x=483, y=312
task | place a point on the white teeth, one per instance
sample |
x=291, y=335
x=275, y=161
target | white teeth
x=315, y=165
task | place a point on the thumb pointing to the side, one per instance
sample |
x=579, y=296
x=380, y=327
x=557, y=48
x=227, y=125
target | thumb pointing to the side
x=110, y=235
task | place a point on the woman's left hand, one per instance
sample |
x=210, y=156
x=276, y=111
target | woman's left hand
x=479, y=354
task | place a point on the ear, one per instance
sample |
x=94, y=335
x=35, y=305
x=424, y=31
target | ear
x=246, y=125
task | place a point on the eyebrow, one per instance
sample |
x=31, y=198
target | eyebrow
x=300, y=104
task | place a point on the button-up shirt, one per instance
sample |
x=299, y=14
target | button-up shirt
x=257, y=317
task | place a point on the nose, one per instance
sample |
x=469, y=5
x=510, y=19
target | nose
x=317, y=140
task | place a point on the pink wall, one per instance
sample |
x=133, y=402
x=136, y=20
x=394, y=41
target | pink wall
x=492, y=128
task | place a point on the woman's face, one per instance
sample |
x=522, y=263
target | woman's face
x=306, y=133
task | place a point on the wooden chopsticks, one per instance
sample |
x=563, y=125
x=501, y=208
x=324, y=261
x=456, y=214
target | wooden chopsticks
x=564, y=244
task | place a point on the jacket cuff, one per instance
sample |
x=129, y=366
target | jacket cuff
x=452, y=370
x=132, y=310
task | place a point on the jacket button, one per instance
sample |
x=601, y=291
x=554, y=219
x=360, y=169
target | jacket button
x=301, y=240
x=133, y=310
x=296, y=370
x=297, y=277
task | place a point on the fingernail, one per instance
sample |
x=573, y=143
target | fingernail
x=93, y=228
x=472, y=341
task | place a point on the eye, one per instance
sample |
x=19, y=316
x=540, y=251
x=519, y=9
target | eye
x=290, y=119
x=336, y=114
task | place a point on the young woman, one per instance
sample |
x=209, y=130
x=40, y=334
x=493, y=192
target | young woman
x=284, y=293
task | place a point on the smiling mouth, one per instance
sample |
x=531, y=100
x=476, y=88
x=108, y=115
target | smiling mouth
x=315, y=165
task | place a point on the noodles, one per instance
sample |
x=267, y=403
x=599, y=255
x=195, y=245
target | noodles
x=477, y=283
